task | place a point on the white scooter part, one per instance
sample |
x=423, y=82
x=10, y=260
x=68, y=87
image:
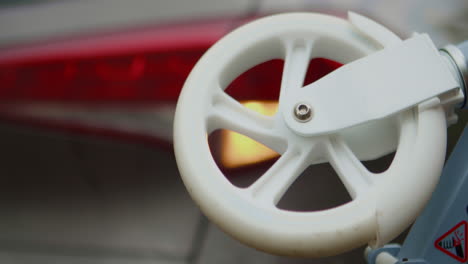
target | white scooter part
x=383, y=204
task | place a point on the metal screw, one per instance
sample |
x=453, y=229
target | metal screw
x=302, y=112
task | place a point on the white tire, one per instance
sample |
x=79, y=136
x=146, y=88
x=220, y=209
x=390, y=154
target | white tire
x=383, y=204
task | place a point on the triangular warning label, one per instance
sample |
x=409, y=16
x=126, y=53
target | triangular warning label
x=453, y=243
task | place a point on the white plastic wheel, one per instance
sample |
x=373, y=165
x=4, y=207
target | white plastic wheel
x=383, y=204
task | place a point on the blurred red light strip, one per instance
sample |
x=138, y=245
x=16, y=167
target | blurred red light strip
x=142, y=65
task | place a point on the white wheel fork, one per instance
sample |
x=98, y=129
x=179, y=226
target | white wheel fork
x=383, y=204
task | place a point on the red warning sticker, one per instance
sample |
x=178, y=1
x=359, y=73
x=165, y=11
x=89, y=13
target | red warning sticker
x=453, y=243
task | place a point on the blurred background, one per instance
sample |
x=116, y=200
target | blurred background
x=87, y=97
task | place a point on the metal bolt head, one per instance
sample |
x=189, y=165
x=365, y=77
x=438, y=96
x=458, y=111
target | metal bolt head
x=302, y=112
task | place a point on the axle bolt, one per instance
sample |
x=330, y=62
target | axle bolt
x=302, y=112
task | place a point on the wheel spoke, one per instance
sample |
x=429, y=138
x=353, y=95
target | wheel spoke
x=298, y=54
x=355, y=177
x=275, y=182
x=227, y=113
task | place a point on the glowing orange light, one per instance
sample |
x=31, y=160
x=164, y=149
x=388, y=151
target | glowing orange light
x=239, y=150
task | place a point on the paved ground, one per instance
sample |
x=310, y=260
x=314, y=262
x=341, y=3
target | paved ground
x=74, y=199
